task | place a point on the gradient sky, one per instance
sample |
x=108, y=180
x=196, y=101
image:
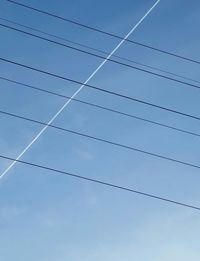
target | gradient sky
x=47, y=217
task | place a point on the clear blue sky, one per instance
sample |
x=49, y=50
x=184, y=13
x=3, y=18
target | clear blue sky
x=47, y=217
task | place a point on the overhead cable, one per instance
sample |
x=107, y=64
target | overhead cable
x=99, y=51
x=104, y=32
x=88, y=136
x=97, y=106
x=100, y=89
x=104, y=183
x=102, y=57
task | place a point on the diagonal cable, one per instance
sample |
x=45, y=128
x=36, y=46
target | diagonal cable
x=123, y=96
x=102, y=57
x=77, y=92
x=104, y=183
x=97, y=50
x=101, y=107
x=106, y=141
x=103, y=32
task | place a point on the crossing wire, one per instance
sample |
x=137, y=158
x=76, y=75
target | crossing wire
x=97, y=106
x=98, y=50
x=100, y=89
x=101, y=57
x=103, y=32
x=96, y=70
x=102, y=140
x=100, y=182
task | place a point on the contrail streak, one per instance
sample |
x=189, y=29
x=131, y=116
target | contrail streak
x=77, y=92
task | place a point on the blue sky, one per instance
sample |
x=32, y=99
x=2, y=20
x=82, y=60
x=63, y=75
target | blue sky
x=44, y=216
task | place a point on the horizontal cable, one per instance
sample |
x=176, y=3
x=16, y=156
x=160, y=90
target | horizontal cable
x=100, y=182
x=100, y=89
x=101, y=107
x=101, y=140
x=100, y=51
x=102, y=57
x=104, y=32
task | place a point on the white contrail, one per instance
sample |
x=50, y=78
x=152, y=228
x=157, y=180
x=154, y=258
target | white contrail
x=74, y=95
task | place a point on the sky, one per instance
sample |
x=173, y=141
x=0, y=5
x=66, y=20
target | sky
x=46, y=216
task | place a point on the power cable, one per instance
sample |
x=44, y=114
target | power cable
x=100, y=89
x=98, y=50
x=103, y=32
x=101, y=107
x=102, y=57
x=101, y=140
x=66, y=104
x=100, y=182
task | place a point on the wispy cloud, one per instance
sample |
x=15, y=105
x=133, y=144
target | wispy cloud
x=10, y=212
x=84, y=155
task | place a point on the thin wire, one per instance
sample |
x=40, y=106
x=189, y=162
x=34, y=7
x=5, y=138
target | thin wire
x=102, y=57
x=103, y=183
x=79, y=89
x=102, y=140
x=98, y=50
x=104, y=32
x=101, y=107
x=101, y=90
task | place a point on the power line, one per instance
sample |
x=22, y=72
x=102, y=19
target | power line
x=102, y=57
x=102, y=107
x=101, y=140
x=104, y=32
x=100, y=89
x=98, y=50
x=80, y=88
x=102, y=183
